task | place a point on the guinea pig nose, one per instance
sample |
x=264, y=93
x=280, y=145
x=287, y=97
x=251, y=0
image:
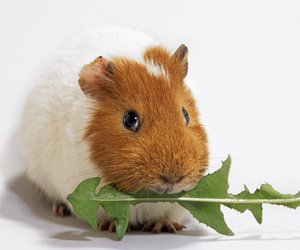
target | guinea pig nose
x=167, y=179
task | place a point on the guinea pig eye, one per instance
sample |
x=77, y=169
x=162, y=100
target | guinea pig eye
x=131, y=121
x=186, y=116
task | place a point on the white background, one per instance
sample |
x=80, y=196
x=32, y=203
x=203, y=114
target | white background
x=245, y=73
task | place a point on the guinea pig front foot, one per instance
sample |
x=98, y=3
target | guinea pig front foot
x=164, y=225
x=107, y=226
x=60, y=209
x=110, y=226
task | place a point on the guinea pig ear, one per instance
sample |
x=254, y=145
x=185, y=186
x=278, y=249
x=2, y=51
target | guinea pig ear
x=180, y=56
x=96, y=77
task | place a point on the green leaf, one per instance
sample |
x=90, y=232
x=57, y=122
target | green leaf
x=118, y=211
x=255, y=209
x=203, y=202
x=86, y=203
x=211, y=186
x=83, y=201
x=209, y=214
x=266, y=191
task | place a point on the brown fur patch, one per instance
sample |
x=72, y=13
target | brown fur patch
x=164, y=145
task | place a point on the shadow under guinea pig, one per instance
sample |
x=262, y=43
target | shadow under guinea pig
x=22, y=203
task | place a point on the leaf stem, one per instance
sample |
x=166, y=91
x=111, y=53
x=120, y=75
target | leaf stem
x=210, y=200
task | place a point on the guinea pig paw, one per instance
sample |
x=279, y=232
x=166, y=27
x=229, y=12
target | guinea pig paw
x=147, y=226
x=103, y=226
x=167, y=225
x=110, y=226
x=135, y=227
x=107, y=226
x=164, y=225
x=60, y=209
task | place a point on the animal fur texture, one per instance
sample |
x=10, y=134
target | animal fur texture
x=72, y=125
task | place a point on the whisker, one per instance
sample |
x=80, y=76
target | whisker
x=217, y=157
x=83, y=174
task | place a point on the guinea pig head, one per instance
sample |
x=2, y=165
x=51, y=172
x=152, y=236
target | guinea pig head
x=144, y=129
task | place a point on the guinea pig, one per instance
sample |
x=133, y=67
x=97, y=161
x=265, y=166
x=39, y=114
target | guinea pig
x=113, y=103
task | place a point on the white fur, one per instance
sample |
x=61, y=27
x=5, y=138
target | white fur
x=57, y=112
x=156, y=70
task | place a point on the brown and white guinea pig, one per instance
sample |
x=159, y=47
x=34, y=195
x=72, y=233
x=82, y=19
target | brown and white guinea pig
x=114, y=104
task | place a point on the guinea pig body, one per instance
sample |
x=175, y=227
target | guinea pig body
x=74, y=124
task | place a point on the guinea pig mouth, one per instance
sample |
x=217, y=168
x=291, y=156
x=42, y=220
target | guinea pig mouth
x=171, y=189
x=160, y=189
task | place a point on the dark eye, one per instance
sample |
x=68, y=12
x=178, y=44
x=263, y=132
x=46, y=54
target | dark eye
x=131, y=121
x=186, y=116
